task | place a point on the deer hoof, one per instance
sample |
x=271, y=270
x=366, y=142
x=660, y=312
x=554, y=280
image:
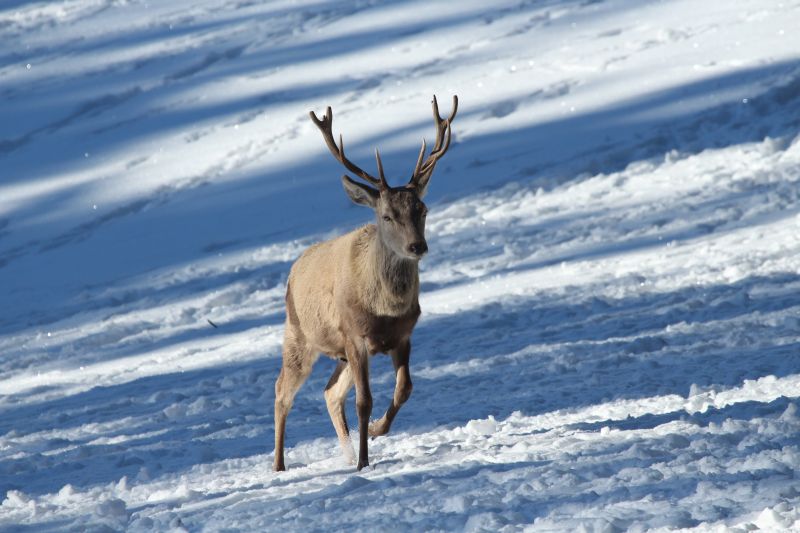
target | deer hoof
x=376, y=429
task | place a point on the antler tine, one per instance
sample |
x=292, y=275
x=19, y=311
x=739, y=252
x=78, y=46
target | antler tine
x=419, y=159
x=325, y=125
x=422, y=170
x=441, y=124
x=455, y=109
x=384, y=185
x=437, y=153
x=438, y=121
x=439, y=150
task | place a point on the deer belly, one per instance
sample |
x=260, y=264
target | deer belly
x=329, y=341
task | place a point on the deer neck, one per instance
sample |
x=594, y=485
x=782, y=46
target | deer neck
x=394, y=280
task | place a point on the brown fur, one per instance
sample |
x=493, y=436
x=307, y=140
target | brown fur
x=357, y=295
x=348, y=298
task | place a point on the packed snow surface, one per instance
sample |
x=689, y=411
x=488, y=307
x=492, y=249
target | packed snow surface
x=610, y=337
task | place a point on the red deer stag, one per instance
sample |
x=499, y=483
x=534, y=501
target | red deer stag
x=357, y=295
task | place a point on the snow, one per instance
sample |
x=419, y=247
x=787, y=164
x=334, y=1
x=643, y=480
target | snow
x=610, y=338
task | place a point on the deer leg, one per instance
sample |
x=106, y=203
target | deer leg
x=335, y=395
x=402, y=389
x=297, y=363
x=358, y=360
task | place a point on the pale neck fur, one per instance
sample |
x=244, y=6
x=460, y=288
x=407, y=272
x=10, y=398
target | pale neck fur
x=391, y=282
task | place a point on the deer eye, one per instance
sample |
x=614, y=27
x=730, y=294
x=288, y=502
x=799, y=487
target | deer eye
x=387, y=218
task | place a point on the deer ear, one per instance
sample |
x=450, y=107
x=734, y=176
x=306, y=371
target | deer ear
x=360, y=193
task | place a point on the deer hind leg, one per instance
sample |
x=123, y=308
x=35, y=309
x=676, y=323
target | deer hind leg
x=335, y=394
x=297, y=363
x=402, y=390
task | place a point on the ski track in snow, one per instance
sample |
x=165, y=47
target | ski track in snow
x=610, y=337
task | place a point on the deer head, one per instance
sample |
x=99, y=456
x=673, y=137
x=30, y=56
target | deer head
x=399, y=211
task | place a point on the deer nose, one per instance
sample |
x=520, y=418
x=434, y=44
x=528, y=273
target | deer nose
x=418, y=248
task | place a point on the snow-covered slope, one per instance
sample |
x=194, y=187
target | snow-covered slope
x=610, y=337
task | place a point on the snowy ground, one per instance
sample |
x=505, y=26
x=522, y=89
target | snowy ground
x=610, y=337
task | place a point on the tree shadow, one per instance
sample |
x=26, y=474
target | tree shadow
x=217, y=63
x=532, y=355
x=633, y=469
x=542, y=353
x=550, y=353
x=250, y=205
x=519, y=245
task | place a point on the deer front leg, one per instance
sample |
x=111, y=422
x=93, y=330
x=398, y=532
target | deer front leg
x=358, y=360
x=335, y=395
x=402, y=389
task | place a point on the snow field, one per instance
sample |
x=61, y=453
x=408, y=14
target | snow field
x=609, y=339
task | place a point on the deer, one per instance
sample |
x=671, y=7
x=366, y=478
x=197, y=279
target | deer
x=357, y=295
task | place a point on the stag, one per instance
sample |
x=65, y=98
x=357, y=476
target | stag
x=357, y=295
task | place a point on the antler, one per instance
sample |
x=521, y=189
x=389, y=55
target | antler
x=325, y=126
x=423, y=171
